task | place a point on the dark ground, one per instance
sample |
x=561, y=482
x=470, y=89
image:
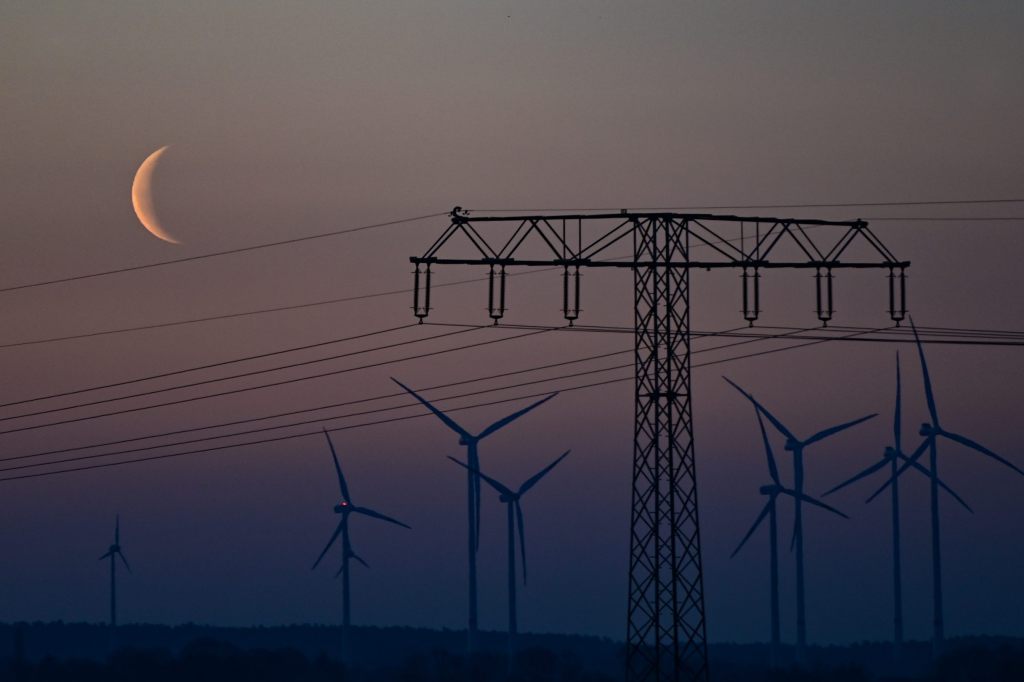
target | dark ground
x=83, y=652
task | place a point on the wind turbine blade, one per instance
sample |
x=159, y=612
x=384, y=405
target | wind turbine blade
x=334, y=536
x=105, y=556
x=899, y=472
x=897, y=413
x=505, y=421
x=522, y=536
x=449, y=422
x=831, y=431
x=757, y=522
x=932, y=410
x=121, y=554
x=378, y=515
x=917, y=466
x=775, y=422
x=773, y=470
x=490, y=481
x=351, y=553
x=963, y=440
x=810, y=500
x=342, y=485
x=532, y=481
x=853, y=479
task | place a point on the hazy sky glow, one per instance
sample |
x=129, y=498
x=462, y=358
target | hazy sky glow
x=289, y=119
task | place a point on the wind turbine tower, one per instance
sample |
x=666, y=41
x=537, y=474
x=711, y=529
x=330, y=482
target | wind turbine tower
x=113, y=554
x=346, y=508
x=772, y=491
x=515, y=521
x=797, y=447
x=471, y=443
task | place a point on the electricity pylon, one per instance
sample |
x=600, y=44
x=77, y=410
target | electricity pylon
x=665, y=631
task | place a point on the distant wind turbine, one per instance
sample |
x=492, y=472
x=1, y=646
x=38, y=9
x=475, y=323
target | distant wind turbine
x=113, y=552
x=346, y=508
x=515, y=520
x=931, y=433
x=773, y=491
x=893, y=457
x=797, y=446
x=471, y=442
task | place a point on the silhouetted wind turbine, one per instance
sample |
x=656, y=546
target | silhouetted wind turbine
x=773, y=491
x=345, y=508
x=471, y=442
x=797, y=446
x=515, y=520
x=931, y=432
x=113, y=552
x=893, y=457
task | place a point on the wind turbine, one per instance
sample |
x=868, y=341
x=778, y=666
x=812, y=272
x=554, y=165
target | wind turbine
x=773, y=491
x=346, y=508
x=113, y=552
x=893, y=457
x=471, y=442
x=932, y=432
x=515, y=520
x=797, y=446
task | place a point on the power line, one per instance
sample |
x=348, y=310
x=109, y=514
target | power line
x=858, y=204
x=230, y=377
x=392, y=419
x=228, y=316
x=212, y=365
x=227, y=252
x=533, y=329
x=396, y=394
x=953, y=336
x=269, y=385
x=378, y=411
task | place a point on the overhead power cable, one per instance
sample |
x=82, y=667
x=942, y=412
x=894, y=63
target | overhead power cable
x=212, y=365
x=722, y=207
x=231, y=377
x=802, y=335
x=325, y=419
x=226, y=252
x=244, y=389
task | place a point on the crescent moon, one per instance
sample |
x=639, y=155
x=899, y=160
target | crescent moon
x=142, y=197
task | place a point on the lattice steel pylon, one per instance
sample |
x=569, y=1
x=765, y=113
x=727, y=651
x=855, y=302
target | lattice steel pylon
x=666, y=628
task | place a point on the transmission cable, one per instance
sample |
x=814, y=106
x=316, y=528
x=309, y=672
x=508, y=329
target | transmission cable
x=272, y=384
x=226, y=252
x=382, y=421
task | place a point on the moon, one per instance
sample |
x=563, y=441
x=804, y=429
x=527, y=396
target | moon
x=142, y=197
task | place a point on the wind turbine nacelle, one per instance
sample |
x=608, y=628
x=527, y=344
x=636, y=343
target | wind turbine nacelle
x=342, y=508
x=926, y=429
x=791, y=445
x=890, y=453
x=769, y=489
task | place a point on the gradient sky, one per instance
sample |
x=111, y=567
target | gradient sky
x=289, y=119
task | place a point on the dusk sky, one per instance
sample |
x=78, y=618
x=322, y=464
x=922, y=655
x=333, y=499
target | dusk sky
x=292, y=119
